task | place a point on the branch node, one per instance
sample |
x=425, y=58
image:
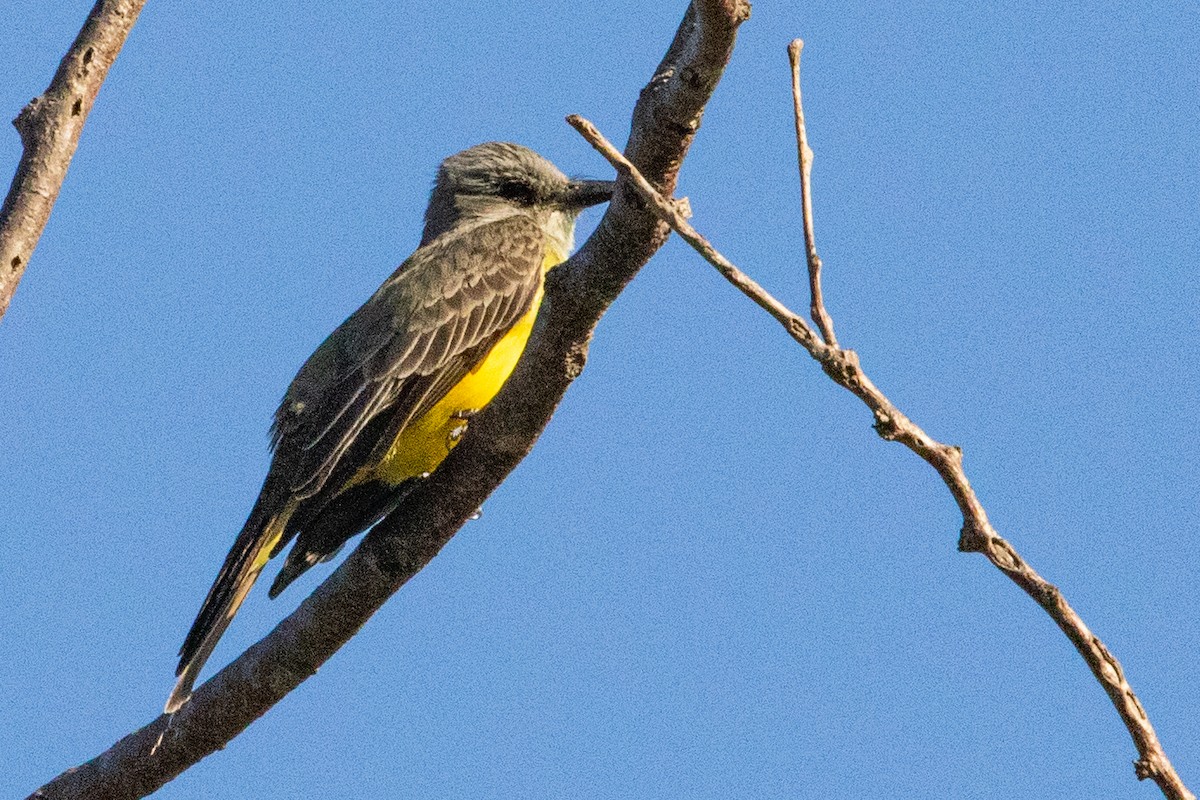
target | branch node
x=886, y=426
x=843, y=366
x=575, y=360
x=799, y=330
x=25, y=118
x=952, y=453
x=692, y=77
x=1050, y=597
x=972, y=539
x=686, y=128
x=1145, y=768
x=1002, y=554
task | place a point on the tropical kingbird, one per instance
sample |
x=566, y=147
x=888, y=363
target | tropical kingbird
x=385, y=398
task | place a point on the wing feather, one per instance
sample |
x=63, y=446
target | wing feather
x=418, y=335
x=425, y=328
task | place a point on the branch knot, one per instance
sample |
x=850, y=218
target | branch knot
x=972, y=538
x=1145, y=768
x=885, y=425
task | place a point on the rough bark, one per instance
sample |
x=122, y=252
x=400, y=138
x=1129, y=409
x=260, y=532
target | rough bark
x=50, y=127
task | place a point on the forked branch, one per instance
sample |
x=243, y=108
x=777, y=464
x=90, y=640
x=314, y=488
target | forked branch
x=844, y=368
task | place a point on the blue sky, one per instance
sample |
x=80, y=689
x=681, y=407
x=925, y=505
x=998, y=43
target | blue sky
x=710, y=578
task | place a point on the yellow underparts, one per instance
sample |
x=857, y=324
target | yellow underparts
x=427, y=440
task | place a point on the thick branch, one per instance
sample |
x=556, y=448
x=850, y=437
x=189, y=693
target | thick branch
x=50, y=127
x=891, y=424
x=666, y=119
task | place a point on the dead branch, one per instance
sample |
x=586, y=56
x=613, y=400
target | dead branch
x=50, y=126
x=891, y=424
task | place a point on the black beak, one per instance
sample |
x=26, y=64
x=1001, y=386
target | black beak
x=582, y=193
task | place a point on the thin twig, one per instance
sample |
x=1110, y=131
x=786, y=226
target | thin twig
x=50, y=126
x=891, y=424
x=817, y=306
x=674, y=213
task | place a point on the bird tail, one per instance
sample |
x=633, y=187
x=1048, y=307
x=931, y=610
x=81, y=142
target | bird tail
x=250, y=553
x=347, y=514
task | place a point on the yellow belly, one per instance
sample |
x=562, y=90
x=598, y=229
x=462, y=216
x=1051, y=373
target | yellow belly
x=427, y=440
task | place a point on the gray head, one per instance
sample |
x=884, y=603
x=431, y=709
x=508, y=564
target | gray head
x=496, y=179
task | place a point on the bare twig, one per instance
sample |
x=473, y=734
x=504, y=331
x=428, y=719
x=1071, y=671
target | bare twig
x=578, y=293
x=804, y=152
x=891, y=424
x=49, y=127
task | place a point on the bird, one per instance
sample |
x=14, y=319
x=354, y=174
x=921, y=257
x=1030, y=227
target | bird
x=386, y=397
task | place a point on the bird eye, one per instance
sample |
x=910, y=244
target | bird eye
x=518, y=192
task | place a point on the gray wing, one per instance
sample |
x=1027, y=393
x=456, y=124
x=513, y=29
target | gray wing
x=419, y=334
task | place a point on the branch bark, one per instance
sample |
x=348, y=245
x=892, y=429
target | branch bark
x=578, y=293
x=50, y=126
x=978, y=535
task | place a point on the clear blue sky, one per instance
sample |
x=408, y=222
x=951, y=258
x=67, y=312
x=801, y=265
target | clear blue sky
x=710, y=579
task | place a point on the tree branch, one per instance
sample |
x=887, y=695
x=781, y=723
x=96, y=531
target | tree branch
x=891, y=424
x=804, y=152
x=578, y=293
x=50, y=127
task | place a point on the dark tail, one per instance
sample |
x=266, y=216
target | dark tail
x=245, y=561
x=345, y=516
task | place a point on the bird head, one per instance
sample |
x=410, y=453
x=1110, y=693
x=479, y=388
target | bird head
x=498, y=179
